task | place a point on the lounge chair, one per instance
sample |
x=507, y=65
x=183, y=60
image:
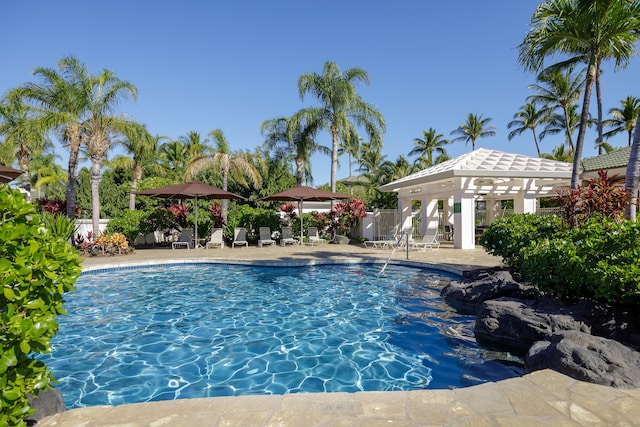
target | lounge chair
x=240, y=237
x=217, y=239
x=314, y=237
x=185, y=238
x=430, y=240
x=265, y=237
x=390, y=239
x=287, y=237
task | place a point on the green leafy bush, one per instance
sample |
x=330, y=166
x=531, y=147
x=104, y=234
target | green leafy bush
x=128, y=222
x=58, y=224
x=252, y=219
x=507, y=237
x=598, y=260
x=37, y=268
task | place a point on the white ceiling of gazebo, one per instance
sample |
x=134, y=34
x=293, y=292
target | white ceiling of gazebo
x=499, y=167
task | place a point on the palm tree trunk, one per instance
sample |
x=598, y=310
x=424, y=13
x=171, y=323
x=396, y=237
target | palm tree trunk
x=95, y=194
x=599, y=101
x=577, y=156
x=137, y=176
x=70, y=194
x=535, y=139
x=225, y=203
x=565, y=109
x=299, y=164
x=334, y=158
x=632, y=178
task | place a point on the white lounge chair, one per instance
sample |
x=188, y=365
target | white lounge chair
x=430, y=240
x=390, y=239
x=217, y=239
x=240, y=237
x=314, y=237
x=265, y=237
x=185, y=238
x=287, y=237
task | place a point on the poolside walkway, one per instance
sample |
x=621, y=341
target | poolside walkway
x=543, y=398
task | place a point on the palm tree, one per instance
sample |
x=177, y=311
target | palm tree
x=144, y=151
x=559, y=88
x=174, y=158
x=293, y=138
x=350, y=145
x=197, y=148
x=62, y=105
x=473, y=128
x=587, y=31
x=48, y=176
x=528, y=118
x=103, y=92
x=560, y=154
x=632, y=177
x=624, y=118
x=228, y=164
x=22, y=138
x=431, y=142
x=565, y=123
x=342, y=110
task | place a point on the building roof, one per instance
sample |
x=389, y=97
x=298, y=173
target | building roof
x=483, y=163
x=615, y=159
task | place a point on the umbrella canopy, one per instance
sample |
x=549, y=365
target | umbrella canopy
x=191, y=190
x=8, y=174
x=302, y=193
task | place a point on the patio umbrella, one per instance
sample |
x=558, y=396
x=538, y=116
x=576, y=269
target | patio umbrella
x=302, y=193
x=8, y=174
x=191, y=190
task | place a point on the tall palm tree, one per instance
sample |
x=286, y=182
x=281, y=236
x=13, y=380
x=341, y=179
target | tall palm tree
x=431, y=142
x=103, y=92
x=174, y=157
x=22, y=138
x=582, y=30
x=559, y=153
x=559, y=88
x=565, y=122
x=632, y=177
x=473, y=128
x=197, y=147
x=624, y=118
x=144, y=151
x=62, y=105
x=342, y=110
x=528, y=118
x=48, y=177
x=293, y=138
x=350, y=145
x=228, y=164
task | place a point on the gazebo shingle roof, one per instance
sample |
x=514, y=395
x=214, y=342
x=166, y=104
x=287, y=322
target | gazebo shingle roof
x=614, y=159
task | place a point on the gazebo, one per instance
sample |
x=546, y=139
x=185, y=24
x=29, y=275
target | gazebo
x=483, y=175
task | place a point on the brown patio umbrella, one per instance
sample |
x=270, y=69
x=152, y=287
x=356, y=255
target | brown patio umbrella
x=191, y=190
x=302, y=193
x=8, y=174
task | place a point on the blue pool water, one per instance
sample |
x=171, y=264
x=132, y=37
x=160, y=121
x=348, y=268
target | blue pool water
x=171, y=332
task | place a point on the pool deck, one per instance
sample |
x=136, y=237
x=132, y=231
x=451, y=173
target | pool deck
x=542, y=398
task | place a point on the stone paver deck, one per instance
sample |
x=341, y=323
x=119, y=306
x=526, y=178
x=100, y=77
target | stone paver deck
x=543, y=398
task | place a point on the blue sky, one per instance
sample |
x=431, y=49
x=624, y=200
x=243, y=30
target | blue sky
x=202, y=65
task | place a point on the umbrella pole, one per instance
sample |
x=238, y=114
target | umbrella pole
x=195, y=244
x=301, y=229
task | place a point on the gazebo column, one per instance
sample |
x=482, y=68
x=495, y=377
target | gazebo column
x=464, y=220
x=429, y=214
x=493, y=210
x=525, y=201
x=404, y=206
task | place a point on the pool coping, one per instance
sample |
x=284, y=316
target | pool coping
x=538, y=398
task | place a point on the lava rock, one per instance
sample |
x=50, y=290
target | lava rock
x=47, y=403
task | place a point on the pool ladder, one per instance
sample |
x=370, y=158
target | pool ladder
x=405, y=235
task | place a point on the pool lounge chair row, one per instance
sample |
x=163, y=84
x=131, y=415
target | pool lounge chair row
x=240, y=238
x=397, y=240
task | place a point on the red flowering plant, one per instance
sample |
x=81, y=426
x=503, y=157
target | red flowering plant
x=181, y=212
x=344, y=216
x=289, y=209
x=216, y=215
x=52, y=205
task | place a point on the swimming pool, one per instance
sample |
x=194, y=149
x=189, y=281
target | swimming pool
x=201, y=330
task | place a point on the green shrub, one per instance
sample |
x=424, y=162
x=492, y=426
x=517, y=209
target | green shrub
x=252, y=219
x=599, y=260
x=128, y=222
x=58, y=224
x=37, y=268
x=507, y=237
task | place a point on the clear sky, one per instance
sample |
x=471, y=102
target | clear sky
x=202, y=65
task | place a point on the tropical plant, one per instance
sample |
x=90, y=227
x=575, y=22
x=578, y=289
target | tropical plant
x=38, y=268
x=293, y=137
x=528, y=118
x=632, y=176
x=228, y=164
x=58, y=225
x=560, y=89
x=431, y=143
x=128, y=223
x=556, y=123
x=585, y=31
x=342, y=110
x=473, y=128
x=623, y=119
